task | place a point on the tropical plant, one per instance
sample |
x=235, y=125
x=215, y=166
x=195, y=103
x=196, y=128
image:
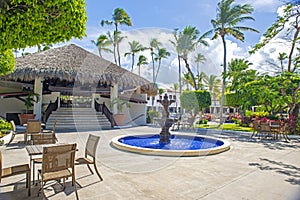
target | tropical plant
x=135, y=47
x=142, y=61
x=30, y=99
x=119, y=17
x=227, y=22
x=213, y=84
x=102, y=43
x=162, y=53
x=120, y=103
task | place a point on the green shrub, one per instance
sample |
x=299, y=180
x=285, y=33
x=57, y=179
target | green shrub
x=150, y=115
x=5, y=126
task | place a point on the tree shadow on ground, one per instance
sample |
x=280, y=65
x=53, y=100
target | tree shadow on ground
x=279, y=144
x=292, y=172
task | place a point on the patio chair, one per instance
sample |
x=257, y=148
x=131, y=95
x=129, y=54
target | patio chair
x=32, y=127
x=16, y=170
x=14, y=129
x=265, y=128
x=52, y=130
x=90, y=151
x=58, y=163
x=256, y=128
x=39, y=139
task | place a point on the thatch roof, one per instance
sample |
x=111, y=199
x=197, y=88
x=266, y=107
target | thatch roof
x=73, y=63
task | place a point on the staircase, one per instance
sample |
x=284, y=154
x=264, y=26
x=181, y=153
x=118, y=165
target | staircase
x=77, y=119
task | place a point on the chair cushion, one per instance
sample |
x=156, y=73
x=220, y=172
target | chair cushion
x=15, y=170
x=56, y=175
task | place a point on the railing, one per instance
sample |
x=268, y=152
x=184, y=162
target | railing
x=51, y=107
x=105, y=111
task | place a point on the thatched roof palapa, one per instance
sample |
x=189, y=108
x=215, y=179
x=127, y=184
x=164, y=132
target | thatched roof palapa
x=73, y=63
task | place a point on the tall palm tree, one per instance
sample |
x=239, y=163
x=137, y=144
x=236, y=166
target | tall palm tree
x=199, y=58
x=119, y=17
x=154, y=46
x=135, y=47
x=142, y=61
x=175, y=43
x=102, y=44
x=282, y=56
x=175, y=88
x=162, y=53
x=187, y=42
x=187, y=80
x=115, y=39
x=226, y=23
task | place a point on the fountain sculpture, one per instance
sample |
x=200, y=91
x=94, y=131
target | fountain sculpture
x=167, y=122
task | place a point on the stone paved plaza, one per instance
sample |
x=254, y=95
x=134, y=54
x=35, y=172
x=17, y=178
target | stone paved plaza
x=251, y=169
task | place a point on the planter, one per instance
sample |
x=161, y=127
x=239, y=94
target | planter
x=6, y=139
x=25, y=117
x=119, y=119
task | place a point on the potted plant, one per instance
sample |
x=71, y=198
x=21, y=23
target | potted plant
x=28, y=102
x=119, y=116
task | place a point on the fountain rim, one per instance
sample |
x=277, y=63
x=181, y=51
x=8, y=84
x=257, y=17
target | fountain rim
x=166, y=152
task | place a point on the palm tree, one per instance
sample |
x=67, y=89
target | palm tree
x=226, y=23
x=187, y=42
x=187, y=80
x=154, y=46
x=175, y=43
x=199, y=58
x=102, y=44
x=142, y=61
x=175, y=88
x=119, y=17
x=135, y=47
x=115, y=39
x=282, y=56
x=162, y=53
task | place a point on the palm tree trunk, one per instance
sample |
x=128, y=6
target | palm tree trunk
x=132, y=62
x=159, y=63
x=292, y=50
x=180, y=86
x=223, y=82
x=191, y=73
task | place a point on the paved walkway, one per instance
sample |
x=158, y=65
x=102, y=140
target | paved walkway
x=251, y=169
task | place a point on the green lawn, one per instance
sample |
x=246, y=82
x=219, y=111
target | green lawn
x=232, y=127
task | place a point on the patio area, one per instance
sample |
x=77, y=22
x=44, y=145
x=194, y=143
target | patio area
x=251, y=169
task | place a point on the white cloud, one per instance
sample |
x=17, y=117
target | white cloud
x=265, y=5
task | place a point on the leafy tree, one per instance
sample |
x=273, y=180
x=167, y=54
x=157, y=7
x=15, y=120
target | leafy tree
x=102, y=43
x=227, y=22
x=119, y=17
x=135, y=47
x=289, y=19
x=195, y=101
x=142, y=61
x=162, y=53
x=29, y=23
x=7, y=62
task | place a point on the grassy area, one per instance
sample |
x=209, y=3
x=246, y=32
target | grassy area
x=232, y=127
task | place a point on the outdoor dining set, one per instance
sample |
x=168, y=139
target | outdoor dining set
x=54, y=161
x=269, y=129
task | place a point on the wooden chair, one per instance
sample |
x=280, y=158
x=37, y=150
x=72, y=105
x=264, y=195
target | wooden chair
x=39, y=139
x=265, y=128
x=32, y=127
x=16, y=170
x=53, y=128
x=58, y=163
x=90, y=151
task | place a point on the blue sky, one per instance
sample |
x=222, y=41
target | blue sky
x=172, y=14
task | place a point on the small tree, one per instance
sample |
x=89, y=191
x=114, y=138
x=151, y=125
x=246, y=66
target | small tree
x=195, y=101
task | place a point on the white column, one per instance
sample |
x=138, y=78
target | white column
x=37, y=106
x=114, y=95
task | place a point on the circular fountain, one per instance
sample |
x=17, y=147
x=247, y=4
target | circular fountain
x=170, y=145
